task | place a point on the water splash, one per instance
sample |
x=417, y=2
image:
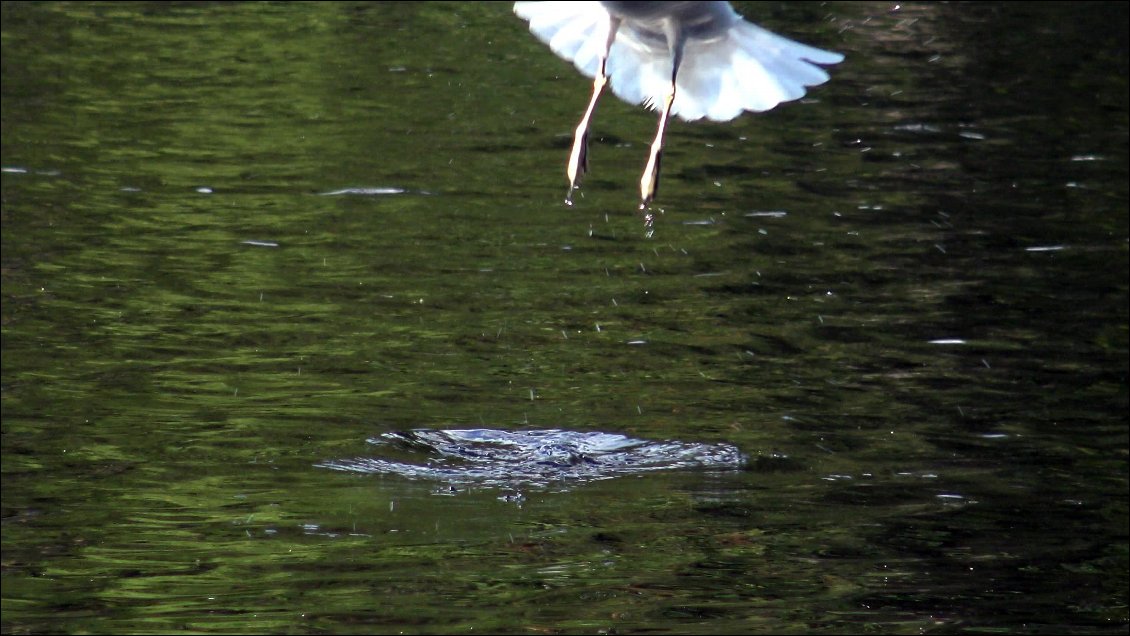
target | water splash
x=531, y=459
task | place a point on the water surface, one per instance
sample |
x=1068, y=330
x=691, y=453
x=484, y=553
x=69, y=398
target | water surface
x=239, y=240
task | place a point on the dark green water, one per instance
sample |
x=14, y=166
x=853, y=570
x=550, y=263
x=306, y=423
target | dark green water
x=240, y=239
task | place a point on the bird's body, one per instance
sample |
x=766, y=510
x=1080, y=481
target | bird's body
x=693, y=60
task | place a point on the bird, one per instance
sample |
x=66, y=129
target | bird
x=693, y=60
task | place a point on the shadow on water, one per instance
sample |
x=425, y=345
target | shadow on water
x=242, y=239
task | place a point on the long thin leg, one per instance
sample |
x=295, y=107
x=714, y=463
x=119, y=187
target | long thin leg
x=649, y=183
x=579, y=156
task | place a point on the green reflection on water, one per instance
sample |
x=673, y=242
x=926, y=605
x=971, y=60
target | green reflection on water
x=169, y=383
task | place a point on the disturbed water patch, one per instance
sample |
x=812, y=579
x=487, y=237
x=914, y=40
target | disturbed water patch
x=530, y=459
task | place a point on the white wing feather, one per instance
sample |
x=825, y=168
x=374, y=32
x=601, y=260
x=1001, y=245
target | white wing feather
x=749, y=68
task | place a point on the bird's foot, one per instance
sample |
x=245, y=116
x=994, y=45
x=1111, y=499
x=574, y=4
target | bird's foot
x=649, y=183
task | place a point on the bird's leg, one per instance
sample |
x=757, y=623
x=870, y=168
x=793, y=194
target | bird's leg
x=649, y=183
x=578, y=156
